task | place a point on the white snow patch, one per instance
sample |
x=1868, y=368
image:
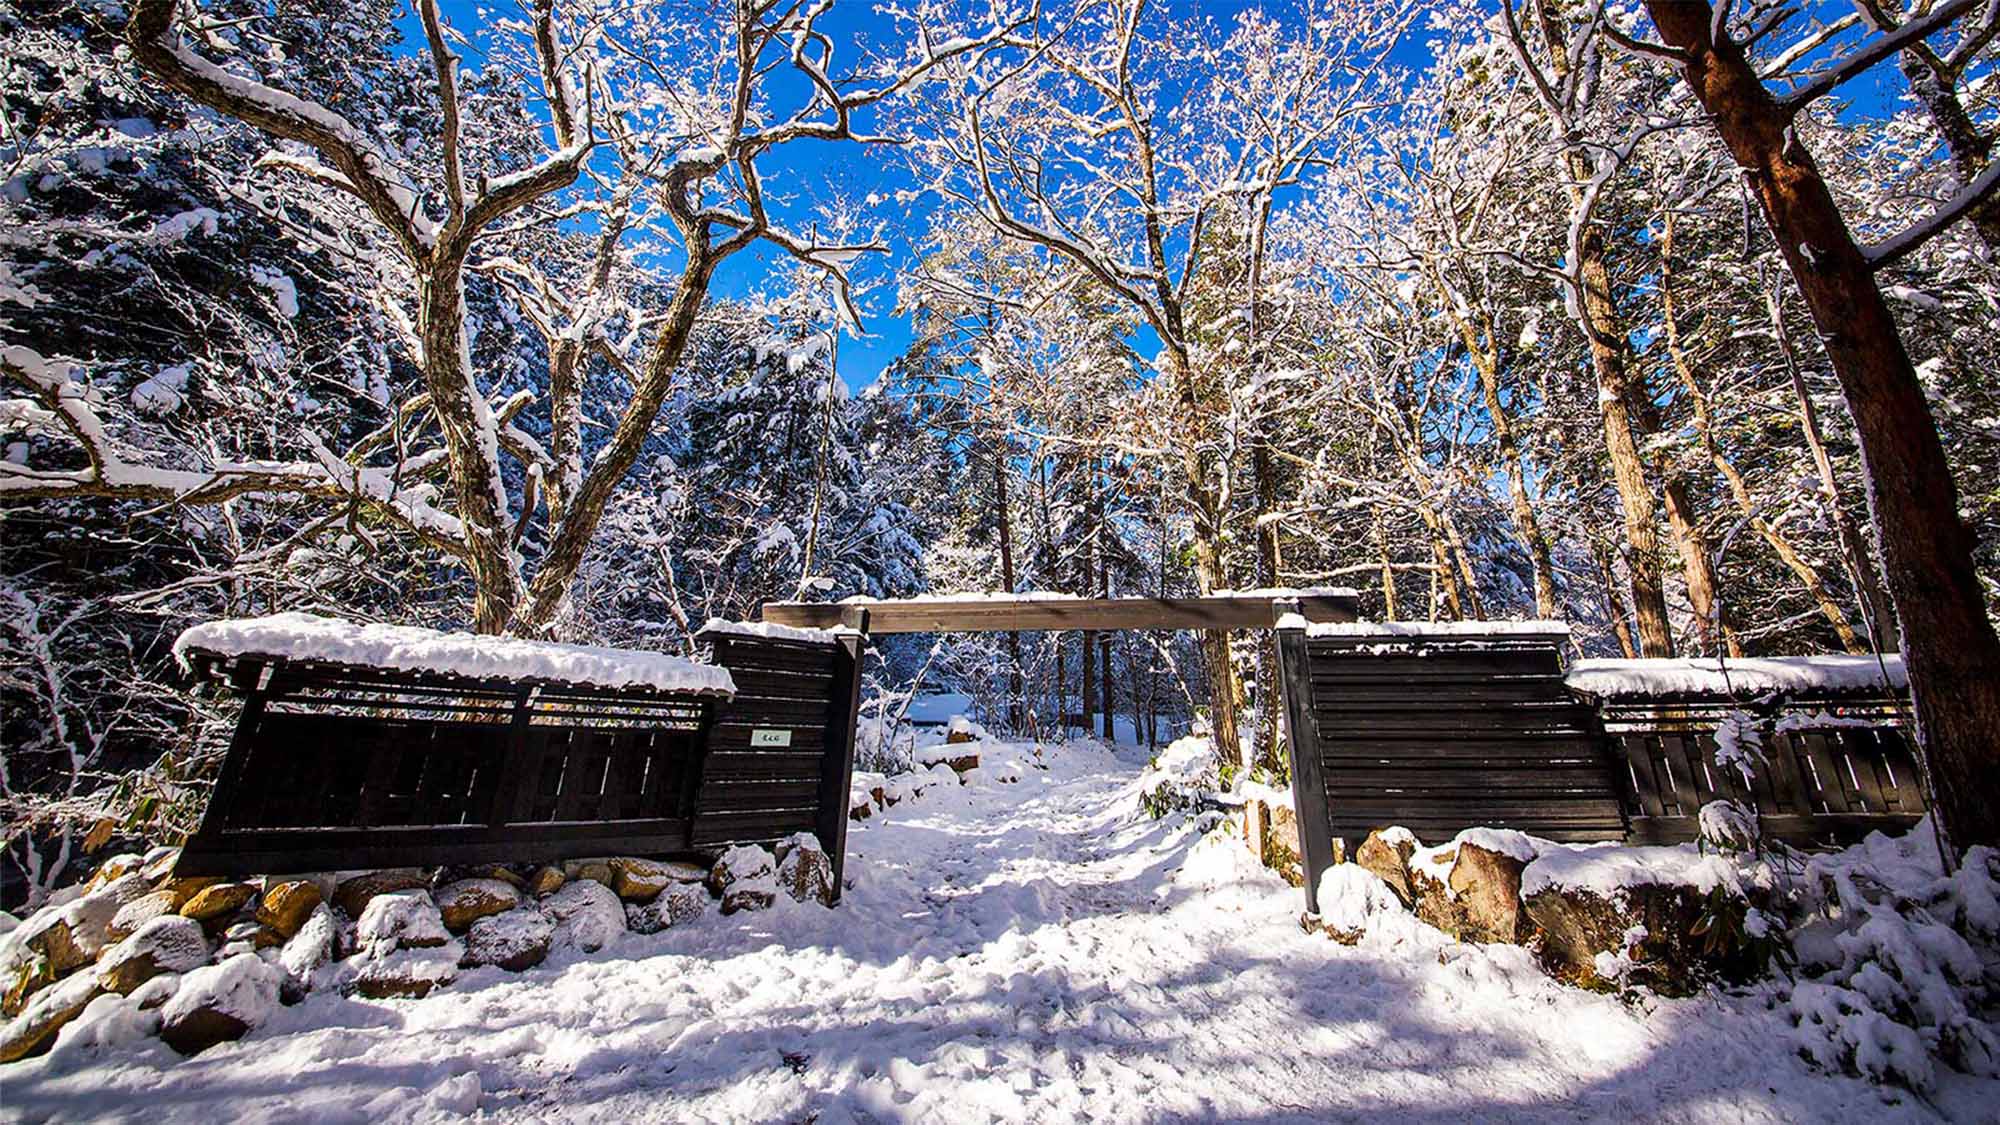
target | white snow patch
x=306, y=636
x=1034, y=952
x=772, y=630
x=1424, y=628
x=1607, y=870
x=244, y=986
x=1738, y=675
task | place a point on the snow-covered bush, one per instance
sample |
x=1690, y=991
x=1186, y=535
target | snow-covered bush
x=1178, y=777
x=1728, y=826
x=1897, y=966
x=1739, y=745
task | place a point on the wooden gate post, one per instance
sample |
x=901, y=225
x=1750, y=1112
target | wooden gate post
x=1309, y=800
x=836, y=774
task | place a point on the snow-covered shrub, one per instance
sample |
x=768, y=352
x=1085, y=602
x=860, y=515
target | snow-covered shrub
x=1728, y=826
x=1898, y=965
x=1739, y=745
x=1177, y=777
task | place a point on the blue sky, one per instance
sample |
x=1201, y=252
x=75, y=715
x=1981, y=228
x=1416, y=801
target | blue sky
x=811, y=171
x=814, y=170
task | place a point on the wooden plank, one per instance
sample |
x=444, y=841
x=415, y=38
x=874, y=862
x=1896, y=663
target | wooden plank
x=729, y=734
x=1843, y=828
x=1635, y=754
x=755, y=683
x=719, y=828
x=1332, y=663
x=1670, y=753
x=1302, y=746
x=1001, y=615
x=1901, y=778
x=1854, y=749
x=1830, y=788
x=1417, y=743
x=762, y=763
x=842, y=718
x=750, y=795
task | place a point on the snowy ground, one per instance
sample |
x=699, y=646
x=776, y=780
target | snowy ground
x=1039, y=951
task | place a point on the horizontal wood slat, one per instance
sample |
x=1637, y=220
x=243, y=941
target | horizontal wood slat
x=941, y=615
x=1439, y=734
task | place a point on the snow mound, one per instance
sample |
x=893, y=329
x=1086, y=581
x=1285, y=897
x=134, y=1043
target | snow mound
x=406, y=648
x=1437, y=862
x=244, y=987
x=1736, y=676
x=1355, y=901
x=1607, y=870
x=401, y=918
x=587, y=914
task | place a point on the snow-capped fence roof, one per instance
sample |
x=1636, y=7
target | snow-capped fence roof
x=311, y=638
x=771, y=631
x=1739, y=676
x=1422, y=630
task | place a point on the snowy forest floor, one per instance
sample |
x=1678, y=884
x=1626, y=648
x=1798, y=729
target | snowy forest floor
x=1039, y=951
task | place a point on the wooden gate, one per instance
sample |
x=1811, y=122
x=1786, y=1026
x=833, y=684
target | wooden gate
x=1438, y=732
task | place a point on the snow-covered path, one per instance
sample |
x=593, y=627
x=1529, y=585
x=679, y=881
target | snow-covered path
x=1034, y=951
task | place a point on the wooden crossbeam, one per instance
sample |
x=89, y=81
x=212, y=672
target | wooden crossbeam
x=1007, y=615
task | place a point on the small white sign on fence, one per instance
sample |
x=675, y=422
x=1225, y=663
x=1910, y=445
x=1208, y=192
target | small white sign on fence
x=770, y=738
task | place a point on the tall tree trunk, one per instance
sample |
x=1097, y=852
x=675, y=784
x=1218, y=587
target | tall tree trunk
x=1474, y=607
x=1106, y=679
x=1007, y=578
x=1628, y=467
x=1697, y=565
x=1225, y=688
x=472, y=465
x=1048, y=555
x=1444, y=571
x=1390, y=610
x=1483, y=349
x=1263, y=468
x=1604, y=332
x=1739, y=491
x=1620, y=628
x=1860, y=560
x=1949, y=644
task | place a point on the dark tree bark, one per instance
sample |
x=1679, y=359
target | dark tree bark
x=1007, y=579
x=1949, y=644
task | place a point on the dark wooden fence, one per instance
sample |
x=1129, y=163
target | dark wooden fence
x=1437, y=734
x=1446, y=731
x=1835, y=766
x=781, y=753
x=335, y=767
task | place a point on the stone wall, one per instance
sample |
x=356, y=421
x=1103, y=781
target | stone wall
x=203, y=960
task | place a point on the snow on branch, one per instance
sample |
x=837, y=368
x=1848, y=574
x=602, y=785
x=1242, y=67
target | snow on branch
x=369, y=172
x=1874, y=51
x=1896, y=247
x=65, y=400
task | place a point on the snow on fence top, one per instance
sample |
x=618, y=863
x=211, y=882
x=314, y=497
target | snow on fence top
x=1421, y=629
x=1737, y=676
x=970, y=596
x=1281, y=592
x=771, y=630
x=406, y=648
